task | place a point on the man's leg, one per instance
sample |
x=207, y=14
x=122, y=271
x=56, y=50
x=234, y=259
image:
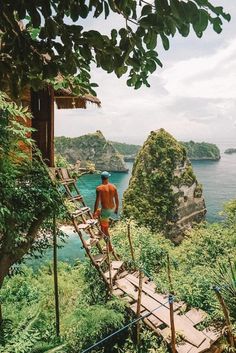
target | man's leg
x=105, y=230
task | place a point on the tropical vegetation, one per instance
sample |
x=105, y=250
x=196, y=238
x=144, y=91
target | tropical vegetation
x=41, y=39
x=87, y=316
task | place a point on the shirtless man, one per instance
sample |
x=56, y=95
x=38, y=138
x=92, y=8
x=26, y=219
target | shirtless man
x=107, y=196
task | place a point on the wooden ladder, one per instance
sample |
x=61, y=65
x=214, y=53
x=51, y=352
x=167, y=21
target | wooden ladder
x=107, y=263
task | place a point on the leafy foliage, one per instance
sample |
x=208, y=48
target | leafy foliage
x=47, y=43
x=226, y=280
x=82, y=322
x=27, y=196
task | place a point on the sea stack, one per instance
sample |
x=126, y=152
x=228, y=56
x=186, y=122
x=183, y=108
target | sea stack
x=163, y=192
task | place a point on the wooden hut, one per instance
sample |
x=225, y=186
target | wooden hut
x=41, y=104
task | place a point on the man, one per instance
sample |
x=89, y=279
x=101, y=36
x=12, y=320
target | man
x=107, y=196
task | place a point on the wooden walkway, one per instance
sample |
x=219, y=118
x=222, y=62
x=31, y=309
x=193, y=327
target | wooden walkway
x=123, y=284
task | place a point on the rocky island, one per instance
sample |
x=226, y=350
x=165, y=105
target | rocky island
x=195, y=150
x=230, y=150
x=201, y=150
x=91, y=148
x=163, y=191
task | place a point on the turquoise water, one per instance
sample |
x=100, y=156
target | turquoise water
x=217, y=177
x=219, y=185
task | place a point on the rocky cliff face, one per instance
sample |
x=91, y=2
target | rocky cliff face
x=163, y=191
x=91, y=148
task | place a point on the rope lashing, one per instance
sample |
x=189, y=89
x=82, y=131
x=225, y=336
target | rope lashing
x=171, y=299
x=216, y=288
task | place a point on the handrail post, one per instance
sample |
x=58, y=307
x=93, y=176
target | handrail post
x=130, y=240
x=108, y=245
x=55, y=277
x=171, y=308
x=139, y=301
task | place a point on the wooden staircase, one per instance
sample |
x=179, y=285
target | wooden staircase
x=123, y=284
x=107, y=263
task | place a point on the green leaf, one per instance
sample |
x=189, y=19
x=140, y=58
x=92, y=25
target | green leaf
x=165, y=41
x=121, y=71
x=84, y=11
x=146, y=10
x=153, y=41
x=217, y=24
x=151, y=66
x=51, y=28
x=138, y=84
x=106, y=10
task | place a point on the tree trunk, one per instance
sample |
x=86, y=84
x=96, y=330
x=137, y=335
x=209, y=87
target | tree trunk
x=4, y=268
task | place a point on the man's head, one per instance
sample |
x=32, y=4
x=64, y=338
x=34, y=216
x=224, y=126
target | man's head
x=105, y=175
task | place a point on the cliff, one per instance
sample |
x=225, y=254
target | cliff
x=201, y=150
x=163, y=192
x=90, y=148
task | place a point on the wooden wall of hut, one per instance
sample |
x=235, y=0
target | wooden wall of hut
x=42, y=108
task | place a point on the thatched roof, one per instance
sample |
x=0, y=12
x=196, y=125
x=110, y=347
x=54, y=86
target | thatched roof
x=66, y=100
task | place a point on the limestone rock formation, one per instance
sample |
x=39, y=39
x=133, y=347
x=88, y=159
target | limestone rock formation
x=163, y=191
x=91, y=148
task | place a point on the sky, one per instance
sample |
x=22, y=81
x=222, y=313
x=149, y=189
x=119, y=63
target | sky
x=193, y=96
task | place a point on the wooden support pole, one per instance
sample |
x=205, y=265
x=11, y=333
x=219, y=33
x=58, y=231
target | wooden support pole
x=171, y=308
x=1, y=317
x=108, y=244
x=139, y=301
x=55, y=276
x=227, y=318
x=130, y=240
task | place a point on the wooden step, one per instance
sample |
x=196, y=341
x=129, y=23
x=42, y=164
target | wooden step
x=67, y=181
x=152, y=318
x=80, y=211
x=92, y=242
x=115, y=267
x=117, y=264
x=89, y=223
x=151, y=292
x=192, y=335
x=195, y=315
x=117, y=292
x=92, y=221
x=83, y=226
x=100, y=258
x=76, y=198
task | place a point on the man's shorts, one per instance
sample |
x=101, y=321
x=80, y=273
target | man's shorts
x=105, y=215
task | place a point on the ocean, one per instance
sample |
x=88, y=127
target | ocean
x=217, y=177
x=219, y=186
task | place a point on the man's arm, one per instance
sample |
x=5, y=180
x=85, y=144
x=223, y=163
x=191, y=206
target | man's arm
x=96, y=201
x=116, y=201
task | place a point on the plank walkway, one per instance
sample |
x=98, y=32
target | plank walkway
x=123, y=284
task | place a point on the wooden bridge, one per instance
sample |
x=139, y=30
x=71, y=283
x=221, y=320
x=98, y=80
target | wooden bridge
x=154, y=307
